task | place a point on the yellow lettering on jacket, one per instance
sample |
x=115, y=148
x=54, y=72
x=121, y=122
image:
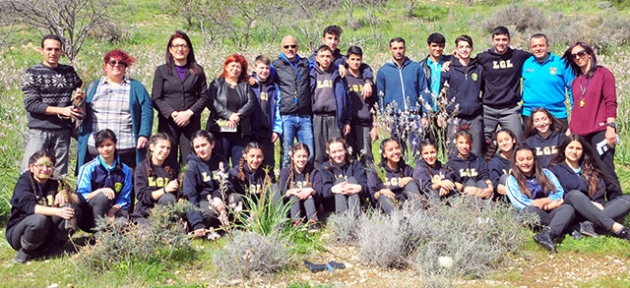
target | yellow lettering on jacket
x=205, y=176
x=324, y=84
x=502, y=64
x=468, y=172
x=355, y=88
x=255, y=188
x=547, y=150
x=264, y=96
x=158, y=181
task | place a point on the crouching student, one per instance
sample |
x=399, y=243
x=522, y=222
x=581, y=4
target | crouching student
x=578, y=171
x=344, y=179
x=500, y=165
x=249, y=178
x=543, y=132
x=435, y=180
x=532, y=189
x=105, y=183
x=394, y=185
x=470, y=172
x=202, y=184
x=155, y=180
x=38, y=210
x=301, y=185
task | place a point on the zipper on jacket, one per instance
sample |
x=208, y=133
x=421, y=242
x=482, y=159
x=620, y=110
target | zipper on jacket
x=402, y=85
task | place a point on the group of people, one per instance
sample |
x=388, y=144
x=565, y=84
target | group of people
x=328, y=102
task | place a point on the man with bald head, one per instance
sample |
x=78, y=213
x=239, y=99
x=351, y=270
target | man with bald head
x=294, y=104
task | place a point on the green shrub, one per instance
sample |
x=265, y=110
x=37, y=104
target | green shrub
x=249, y=253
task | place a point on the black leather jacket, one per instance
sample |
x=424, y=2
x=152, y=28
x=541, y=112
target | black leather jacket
x=217, y=92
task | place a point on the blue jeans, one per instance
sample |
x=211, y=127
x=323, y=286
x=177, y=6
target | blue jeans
x=300, y=126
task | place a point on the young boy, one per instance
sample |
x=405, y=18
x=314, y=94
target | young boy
x=363, y=128
x=331, y=38
x=270, y=126
x=330, y=99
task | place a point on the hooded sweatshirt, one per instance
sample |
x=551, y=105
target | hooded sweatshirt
x=425, y=174
x=465, y=86
x=332, y=172
x=545, y=148
x=144, y=185
x=473, y=167
x=406, y=85
x=200, y=180
x=392, y=177
x=572, y=180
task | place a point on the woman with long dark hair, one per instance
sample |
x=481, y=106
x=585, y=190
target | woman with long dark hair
x=579, y=173
x=535, y=190
x=179, y=95
x=232, y=103
x=594, y=110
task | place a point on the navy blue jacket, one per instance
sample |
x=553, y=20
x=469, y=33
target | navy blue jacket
x=294, y=84
x=144, y=185
x=342, y=98
x=24, y=199
x=330, y=173
x=465, y=85
x=574, y=181
x=392, y=176
x=425, y=175
x=299, y=180
x=498, y=167
x=274, y=121
x=545, y=148
x=340, y=60
x=254, y=182
x=471, y=168
x=200, y=180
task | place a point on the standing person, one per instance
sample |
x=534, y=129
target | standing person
x=394, y=184
x=432, y=65
x=500, y=164
x=402, y=89
x=295, y=103
x=465, y=81
x=502, y=67
x=543, y=132
x=578, y=172
x=594, y=110
x=363, y=124
x=331, y=38
x=105, y=183
x=232, y=103
x=301, y=185
x=535, y=190
x=179, y=95
x=202, y=185
x=546, y=81
x=435, y=180
x=118, y=103
x=344, y=179
x=331, y=104
x=155, y=179
x=37, y=221
x=471, y=173
x=48, y=88
x=268, y=112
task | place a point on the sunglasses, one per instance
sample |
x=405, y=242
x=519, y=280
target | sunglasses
x=290, y=46
x=579, y=54
x=113, y=63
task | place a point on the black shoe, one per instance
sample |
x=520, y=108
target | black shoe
x=545, y=238
x=314, y=267
x=313, y=227
x=490, y=150
x=624, y=233
x=336, y=265
x=23, y=256
x=587, y=229
x=575, y=234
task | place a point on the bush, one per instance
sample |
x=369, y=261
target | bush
x=345, y=227
x=471, y=238
x=518, y=17
x=161, y=242
x=249, y=253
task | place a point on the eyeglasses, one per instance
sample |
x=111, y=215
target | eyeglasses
x=42, y=166
x=113, y=63
x=579, y=54
x=290, y=46
x=180, y=46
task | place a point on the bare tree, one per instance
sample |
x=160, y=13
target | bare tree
x=311, y=15
x=411, y=5
x=71, y=20
x=377, y=18
x=6, y=27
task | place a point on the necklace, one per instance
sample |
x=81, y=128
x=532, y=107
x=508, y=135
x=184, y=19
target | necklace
x=583, y=90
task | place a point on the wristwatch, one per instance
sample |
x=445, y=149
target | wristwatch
x=612, y=125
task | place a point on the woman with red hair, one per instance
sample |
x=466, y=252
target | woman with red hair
x=118, y=103
x=232, y=103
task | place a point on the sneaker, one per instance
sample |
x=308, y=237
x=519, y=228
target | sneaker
x=545, y=239
x=575, y=234
x=313, y=227
x=587, y=228
x=624, y=233
x=23, y=256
